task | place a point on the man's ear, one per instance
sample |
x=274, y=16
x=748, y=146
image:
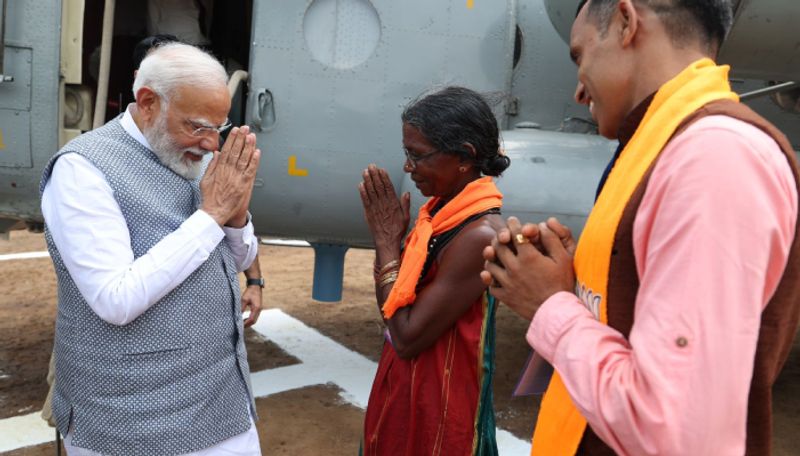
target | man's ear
x=629, y=21
x=148, y=103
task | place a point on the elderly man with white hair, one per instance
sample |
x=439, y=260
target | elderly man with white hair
x=149, y=349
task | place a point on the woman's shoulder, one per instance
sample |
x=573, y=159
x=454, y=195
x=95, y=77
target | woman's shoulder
x=480, y=231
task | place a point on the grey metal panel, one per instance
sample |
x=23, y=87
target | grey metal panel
x=764, y=43
x=545, y=78
x=17, y=94
x=34, y=25
x=337, y=121
x=562, y=14
x=15, y=148
x=419, y=16
x=15, y=104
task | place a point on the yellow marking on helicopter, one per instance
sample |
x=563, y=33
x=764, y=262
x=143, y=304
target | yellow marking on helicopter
x=470, y=4
x=293, y=169
x=2, y=144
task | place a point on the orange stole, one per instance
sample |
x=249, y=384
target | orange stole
x=560, y=425
x=478, y=196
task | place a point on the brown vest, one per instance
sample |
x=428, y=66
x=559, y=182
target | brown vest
x=779, y=320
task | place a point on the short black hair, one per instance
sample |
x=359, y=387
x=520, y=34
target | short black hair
x=685, y=20
x=453, y=116
x=145, y=45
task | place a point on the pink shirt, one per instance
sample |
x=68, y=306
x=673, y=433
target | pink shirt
x=711, y=240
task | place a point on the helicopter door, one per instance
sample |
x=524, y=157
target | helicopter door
x=329, y=79
x=29, y=56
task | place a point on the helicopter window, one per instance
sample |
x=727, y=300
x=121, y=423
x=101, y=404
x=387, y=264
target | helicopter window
x=341, y=34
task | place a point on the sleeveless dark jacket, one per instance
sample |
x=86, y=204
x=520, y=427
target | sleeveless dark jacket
x=779, y=319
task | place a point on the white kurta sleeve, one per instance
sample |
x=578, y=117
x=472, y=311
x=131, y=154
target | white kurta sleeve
x=89, y=230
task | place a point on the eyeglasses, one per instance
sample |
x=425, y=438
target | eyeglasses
x=415, y=159
x=198, y=129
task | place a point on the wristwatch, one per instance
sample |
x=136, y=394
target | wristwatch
x=259, y=281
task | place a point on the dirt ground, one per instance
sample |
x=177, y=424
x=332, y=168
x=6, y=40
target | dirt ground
x=307, y=421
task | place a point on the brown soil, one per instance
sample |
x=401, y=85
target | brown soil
x=310, y=420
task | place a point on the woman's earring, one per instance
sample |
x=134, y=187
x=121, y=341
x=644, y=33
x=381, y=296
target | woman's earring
x=463, y=169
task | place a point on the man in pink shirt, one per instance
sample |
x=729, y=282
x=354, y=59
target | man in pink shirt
x=669, y=324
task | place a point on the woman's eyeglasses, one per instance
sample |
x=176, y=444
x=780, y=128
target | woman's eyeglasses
x=414, y=159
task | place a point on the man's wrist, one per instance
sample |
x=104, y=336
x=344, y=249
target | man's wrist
x=554, y=318
x=215, y=216
x=238, y=222
x=387, y=255
x=259, y=282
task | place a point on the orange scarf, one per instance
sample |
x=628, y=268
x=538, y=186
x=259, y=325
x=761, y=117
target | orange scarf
x=559, y=428
x=478, y=196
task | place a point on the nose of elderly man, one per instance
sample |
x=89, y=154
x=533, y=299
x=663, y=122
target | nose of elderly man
x=211, y=142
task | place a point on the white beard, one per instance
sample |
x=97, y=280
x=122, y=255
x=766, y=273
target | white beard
x=171, y=154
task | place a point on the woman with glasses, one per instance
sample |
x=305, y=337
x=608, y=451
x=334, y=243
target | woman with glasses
x=432, y=393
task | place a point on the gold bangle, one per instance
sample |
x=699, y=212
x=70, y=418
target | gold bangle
x=388, y=267
x=387, y=278
x=388, y=274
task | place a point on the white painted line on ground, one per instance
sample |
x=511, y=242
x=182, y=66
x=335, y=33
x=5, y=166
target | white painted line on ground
x=349, y=370
x=507, y=444
x=24, y=256
x=274, y=381
x=23, y=431
x=323, y=361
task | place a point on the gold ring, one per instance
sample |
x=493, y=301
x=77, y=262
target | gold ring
x=521, y=239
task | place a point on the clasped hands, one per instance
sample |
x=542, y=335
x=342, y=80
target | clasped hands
x=526, y=264
x=228, y=182
x=387, y=215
